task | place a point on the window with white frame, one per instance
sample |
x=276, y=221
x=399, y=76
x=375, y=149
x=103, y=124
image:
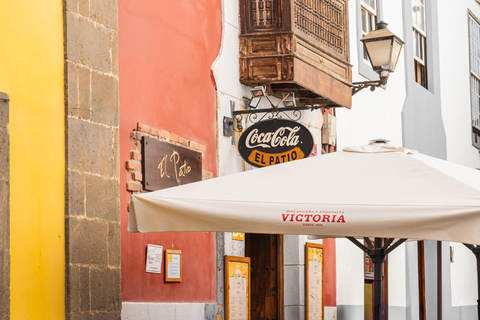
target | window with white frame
x=419, y=41
x=369, y=19
x=474, y=42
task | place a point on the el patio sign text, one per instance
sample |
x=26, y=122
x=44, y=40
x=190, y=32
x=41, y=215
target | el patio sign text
x=167, y=165
x=275, y=141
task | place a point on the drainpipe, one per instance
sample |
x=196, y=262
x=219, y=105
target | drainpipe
x=476, y=252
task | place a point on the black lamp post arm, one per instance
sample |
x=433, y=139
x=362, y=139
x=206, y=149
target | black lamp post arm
x=357, y=86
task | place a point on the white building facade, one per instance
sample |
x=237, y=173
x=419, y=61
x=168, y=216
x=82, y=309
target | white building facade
x=431, y=105
x=232, y=94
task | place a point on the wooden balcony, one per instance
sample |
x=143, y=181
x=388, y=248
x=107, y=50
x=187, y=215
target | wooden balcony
x=298, y=46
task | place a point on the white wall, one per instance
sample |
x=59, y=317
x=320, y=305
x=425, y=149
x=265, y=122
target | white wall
x=456, y=113
x=397, y=294
x=373, y=114
x=463, y=276
x=165, y=311
x=455, y=79
x=350, y=274
x=226, y=74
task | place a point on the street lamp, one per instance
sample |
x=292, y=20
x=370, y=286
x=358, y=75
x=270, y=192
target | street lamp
x=289, y=101
x=383, y=49
x=257, y=94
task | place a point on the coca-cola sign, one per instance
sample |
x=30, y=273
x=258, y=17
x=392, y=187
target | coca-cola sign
x=275, y=141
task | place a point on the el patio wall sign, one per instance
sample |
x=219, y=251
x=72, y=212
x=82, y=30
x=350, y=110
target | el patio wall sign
x=275, y=141
x=167, y=165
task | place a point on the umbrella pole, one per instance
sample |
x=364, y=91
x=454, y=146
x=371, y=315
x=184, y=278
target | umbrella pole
x=378, y=257
x=377, y=252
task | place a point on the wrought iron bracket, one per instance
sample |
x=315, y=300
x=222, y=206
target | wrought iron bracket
x=358, y=86
x=257, y=115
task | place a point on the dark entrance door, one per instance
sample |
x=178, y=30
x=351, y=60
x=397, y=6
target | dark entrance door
x=266, y=258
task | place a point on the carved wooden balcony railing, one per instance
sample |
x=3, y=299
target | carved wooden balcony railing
x=297, y=46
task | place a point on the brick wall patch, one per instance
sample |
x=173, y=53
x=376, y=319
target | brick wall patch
x=134, y=165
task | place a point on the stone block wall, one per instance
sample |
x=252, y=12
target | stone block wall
x=134, y=184
x=4, y=209
x=92, y=219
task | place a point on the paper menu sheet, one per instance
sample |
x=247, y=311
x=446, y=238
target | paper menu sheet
x=315, y=283
x=173, y=265
x=154, y=259
x=238, y=296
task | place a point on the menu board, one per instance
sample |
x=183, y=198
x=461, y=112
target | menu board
x=154, y=259
x=314, y=281
x=237, y=284
x=173, y=265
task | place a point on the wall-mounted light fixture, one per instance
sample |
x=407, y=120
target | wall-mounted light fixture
x=383, y=49
x=257, y=94
x=289, y=101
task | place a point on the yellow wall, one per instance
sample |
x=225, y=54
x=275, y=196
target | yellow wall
x=31, y=73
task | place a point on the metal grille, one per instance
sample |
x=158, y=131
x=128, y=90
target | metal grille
x=322, y=20
x=474, y=35
x=263, y=12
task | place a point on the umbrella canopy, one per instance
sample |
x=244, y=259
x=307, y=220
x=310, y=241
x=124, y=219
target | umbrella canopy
x=370, y=191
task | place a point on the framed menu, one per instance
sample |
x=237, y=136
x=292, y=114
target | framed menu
x=154, y=259
x=237, y=288
x=173, y=265
x=314, y=296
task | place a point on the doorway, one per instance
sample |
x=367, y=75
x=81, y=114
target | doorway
x=266, y=261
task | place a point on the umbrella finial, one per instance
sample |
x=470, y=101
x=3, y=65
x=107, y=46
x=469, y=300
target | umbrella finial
x=380, y=141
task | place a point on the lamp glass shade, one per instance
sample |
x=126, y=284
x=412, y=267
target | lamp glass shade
x=254, y=102
x=397, y=48
x=379, y=52
x=258, y=92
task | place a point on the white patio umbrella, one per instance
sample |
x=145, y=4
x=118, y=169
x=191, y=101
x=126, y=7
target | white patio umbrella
x=370, y=191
